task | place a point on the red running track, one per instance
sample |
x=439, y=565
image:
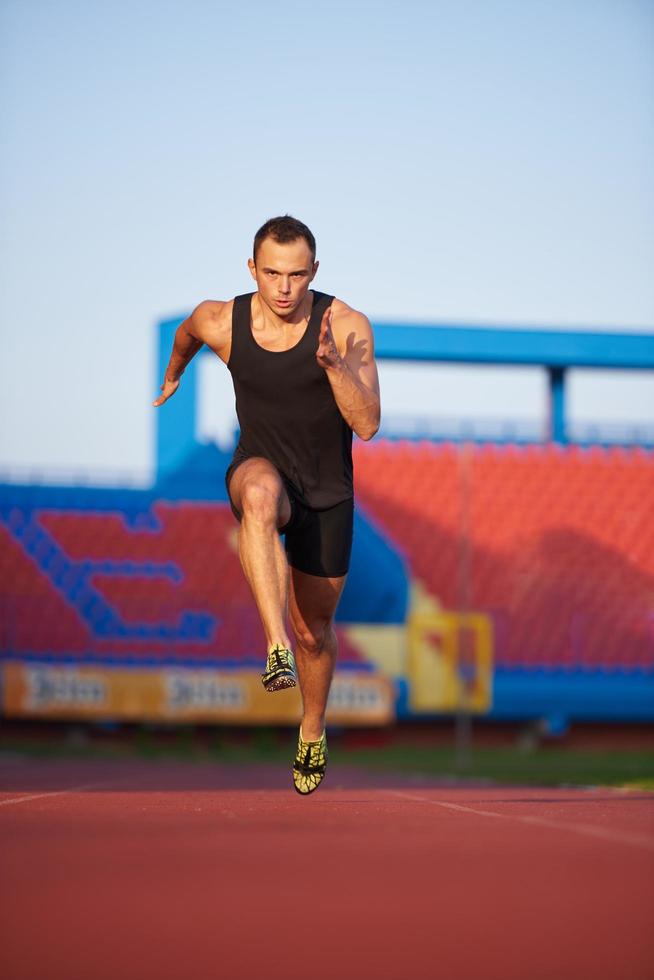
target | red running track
x=168, y=871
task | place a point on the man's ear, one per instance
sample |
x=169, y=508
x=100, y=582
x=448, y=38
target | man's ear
x=314, y=270
x=253, y=269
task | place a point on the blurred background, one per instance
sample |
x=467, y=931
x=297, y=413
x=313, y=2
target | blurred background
x=478, y=178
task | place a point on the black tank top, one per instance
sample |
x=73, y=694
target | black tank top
x=287, y=411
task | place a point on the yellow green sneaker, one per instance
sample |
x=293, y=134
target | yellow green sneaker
x=310, y=764
x=280, y=669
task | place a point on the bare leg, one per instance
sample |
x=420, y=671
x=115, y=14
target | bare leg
x=312, y=607
x=258, y=493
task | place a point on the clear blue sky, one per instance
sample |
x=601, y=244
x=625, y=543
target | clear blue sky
x=478, y=161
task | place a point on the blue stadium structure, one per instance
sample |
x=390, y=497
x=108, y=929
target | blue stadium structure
x=513, y=581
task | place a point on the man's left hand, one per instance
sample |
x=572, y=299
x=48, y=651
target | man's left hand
x=327, y=354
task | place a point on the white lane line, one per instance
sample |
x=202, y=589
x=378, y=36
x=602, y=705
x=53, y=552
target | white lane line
x=58, y=792
x=585, y=829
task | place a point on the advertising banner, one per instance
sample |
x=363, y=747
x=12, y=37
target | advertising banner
x=170, y=693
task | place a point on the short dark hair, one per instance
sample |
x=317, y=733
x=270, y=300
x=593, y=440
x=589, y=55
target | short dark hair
x=284, y=229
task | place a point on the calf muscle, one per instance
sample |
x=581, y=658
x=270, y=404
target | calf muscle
x=313, y=602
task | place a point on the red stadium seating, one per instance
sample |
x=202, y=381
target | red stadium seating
x=146, y=582
x=557, y=544
x=34, y=617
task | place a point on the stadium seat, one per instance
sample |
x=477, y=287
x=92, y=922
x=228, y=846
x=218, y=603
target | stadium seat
x=555, y=543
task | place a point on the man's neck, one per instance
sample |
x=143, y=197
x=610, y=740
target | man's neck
x=298, y=317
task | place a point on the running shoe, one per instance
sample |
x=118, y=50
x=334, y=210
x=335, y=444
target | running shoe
x=280, y=669
x=310, y=764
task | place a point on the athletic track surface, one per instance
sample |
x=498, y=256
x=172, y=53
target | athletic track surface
x=189, y=871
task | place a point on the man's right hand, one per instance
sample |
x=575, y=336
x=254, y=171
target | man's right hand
x=168, y=388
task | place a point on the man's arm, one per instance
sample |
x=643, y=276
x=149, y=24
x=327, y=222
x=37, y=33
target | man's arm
x=346, y=352
x=205, y=325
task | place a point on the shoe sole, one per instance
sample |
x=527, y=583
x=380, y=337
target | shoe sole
x=279, y=683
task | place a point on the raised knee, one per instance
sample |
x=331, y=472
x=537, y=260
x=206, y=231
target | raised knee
x=311, y=636
x=260, y=499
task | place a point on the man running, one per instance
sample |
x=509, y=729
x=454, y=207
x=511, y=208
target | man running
x=305, y=378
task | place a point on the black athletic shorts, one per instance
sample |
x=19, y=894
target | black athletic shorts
x=318, y=542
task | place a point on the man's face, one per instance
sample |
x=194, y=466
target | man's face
x=283, y=274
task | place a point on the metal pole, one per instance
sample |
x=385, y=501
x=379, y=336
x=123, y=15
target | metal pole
x=557, y=406
x=463, y=720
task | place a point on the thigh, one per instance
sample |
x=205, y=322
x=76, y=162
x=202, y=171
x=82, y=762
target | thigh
x=259, y=471
x=313, y=599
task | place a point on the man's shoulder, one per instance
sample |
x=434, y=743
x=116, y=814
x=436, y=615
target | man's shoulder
x=212, y=309
x=211, y=321
x=345, y=316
